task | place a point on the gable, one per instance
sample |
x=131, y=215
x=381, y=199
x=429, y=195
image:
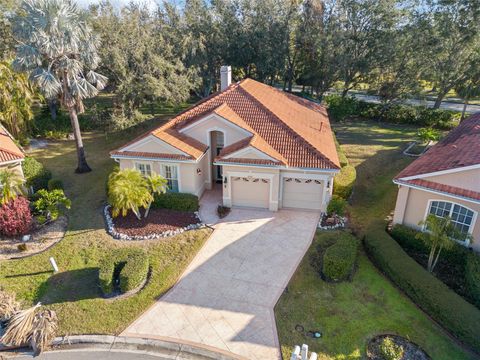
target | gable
x=466, y=179
x=200, y=130
x=249, y=153
x=152, y=144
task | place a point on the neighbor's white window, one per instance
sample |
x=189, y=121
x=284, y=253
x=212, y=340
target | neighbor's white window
x=170, y=173
x=145, y=169
x=462, y=218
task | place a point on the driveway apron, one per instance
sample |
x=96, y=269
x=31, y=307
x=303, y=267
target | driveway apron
x=225, y=298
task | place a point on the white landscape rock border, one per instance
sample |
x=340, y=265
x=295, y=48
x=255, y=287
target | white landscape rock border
x=120, y=236
x=340, y=225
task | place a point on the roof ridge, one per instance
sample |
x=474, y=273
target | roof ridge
x=296, y=136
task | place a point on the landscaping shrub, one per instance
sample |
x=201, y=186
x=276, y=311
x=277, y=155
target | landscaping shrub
x=15, y=217
x=36, y=175
x=341, y=108
x=339, y=259
x=389, y=350
x=344, y=181
x=472, y=276
x=341, y=154
x=54, y=184
x=22, y=247
x=49, y=205
x=336, y=206
x=130, y=265
x=459, y=317
x=176, y=201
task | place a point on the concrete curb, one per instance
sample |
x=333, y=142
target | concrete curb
x=155, y=347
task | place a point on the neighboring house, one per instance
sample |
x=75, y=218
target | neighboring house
x=267, y=148
x=445, y=181
x=11, y=156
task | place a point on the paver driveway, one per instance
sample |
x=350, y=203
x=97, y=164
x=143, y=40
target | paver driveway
x=225, y=298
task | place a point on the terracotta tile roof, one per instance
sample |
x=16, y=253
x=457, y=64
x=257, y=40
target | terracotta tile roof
x=9, y=151
x=447, y=189
x=255, y=142
x=460, y=148
x=295, y=131
x=150, y=155
x=247, y=161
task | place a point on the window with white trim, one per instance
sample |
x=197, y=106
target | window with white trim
x=462, y=218
x=170, y=173
x=144, y=168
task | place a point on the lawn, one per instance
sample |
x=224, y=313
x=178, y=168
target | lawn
x=74, y=292
x=350, y=313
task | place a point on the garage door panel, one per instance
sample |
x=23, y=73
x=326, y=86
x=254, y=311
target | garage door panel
x=302, y=193
x=250, y=192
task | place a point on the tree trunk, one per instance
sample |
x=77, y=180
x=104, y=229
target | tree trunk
x=465, y=104
x=82, y=161
x=439, y=99
x=52, y=106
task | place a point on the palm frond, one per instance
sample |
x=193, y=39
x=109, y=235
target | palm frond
x=19, y=329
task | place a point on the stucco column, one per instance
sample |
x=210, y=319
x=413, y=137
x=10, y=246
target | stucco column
x=401, y=205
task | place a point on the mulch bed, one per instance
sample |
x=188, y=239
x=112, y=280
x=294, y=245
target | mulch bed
x=43, y=237
x=411, y=351
x=158, y=221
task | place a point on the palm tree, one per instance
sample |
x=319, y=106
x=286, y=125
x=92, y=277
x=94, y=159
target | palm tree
x=16, y=100
x=11, y=185
x=128, y=190
x=439, y=234
x=59, y=50
x=156, y=185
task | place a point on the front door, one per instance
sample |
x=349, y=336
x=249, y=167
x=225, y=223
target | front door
x=218, y=172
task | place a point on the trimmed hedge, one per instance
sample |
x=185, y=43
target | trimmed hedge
x=459, y=317
x=176, y=201
x=36, y=175
x=341, y=155
x=339, y=259
x=336, y=205
x=129, y=264
x=344, y=181
x=341, y=108
x=406, y=237
x=55, y=184
x=472, y=276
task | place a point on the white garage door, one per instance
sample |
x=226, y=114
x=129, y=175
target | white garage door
x=251, y=192
x=302, y=193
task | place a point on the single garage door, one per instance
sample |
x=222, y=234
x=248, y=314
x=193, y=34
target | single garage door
x=302, y=193
x=251, y=192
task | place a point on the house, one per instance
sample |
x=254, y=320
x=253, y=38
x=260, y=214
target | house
x=11, y=156
x=264, y=147
x=445, y=181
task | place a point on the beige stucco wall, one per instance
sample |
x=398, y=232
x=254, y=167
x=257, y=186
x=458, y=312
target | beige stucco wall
x=190, y=181
x=413, y=204
x=155, y=146
x=231, y=132
x=469, y=179
x=16, y=167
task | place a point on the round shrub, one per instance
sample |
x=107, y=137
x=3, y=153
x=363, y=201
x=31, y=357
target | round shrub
x=344, y=181
x=389, y=350
x=336, y=206
x=55, y=184
x=15, y=217
x=36, y=175
x=339, y=259
x=176, y=201
x=128, y=266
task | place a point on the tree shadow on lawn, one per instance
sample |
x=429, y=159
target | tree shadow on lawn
x=70, y=286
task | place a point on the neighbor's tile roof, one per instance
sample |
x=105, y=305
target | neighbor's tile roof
x=294, y=131
x=8, y=150
x=460, y=148
x=446, y=189
x=143, y=154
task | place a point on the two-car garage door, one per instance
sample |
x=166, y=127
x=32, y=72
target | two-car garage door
x=250, y=192
x=302, y=193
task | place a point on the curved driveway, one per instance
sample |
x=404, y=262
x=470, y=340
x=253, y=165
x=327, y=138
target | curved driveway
x=225, y=299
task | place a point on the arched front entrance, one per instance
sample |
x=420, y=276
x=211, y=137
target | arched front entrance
x=217, y=142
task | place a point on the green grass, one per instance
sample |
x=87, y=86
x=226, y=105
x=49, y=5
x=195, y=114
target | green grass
x=74, y=291
x=350, y=313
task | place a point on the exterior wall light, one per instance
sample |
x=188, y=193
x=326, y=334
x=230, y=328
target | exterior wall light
x=199, y=171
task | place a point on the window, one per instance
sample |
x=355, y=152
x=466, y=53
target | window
x=462, y=218
x=145, y=169
x=170, y=173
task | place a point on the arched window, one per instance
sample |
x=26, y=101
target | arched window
x=462, y=217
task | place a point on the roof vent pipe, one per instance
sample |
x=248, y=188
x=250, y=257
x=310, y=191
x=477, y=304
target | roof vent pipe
x=225, y=77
